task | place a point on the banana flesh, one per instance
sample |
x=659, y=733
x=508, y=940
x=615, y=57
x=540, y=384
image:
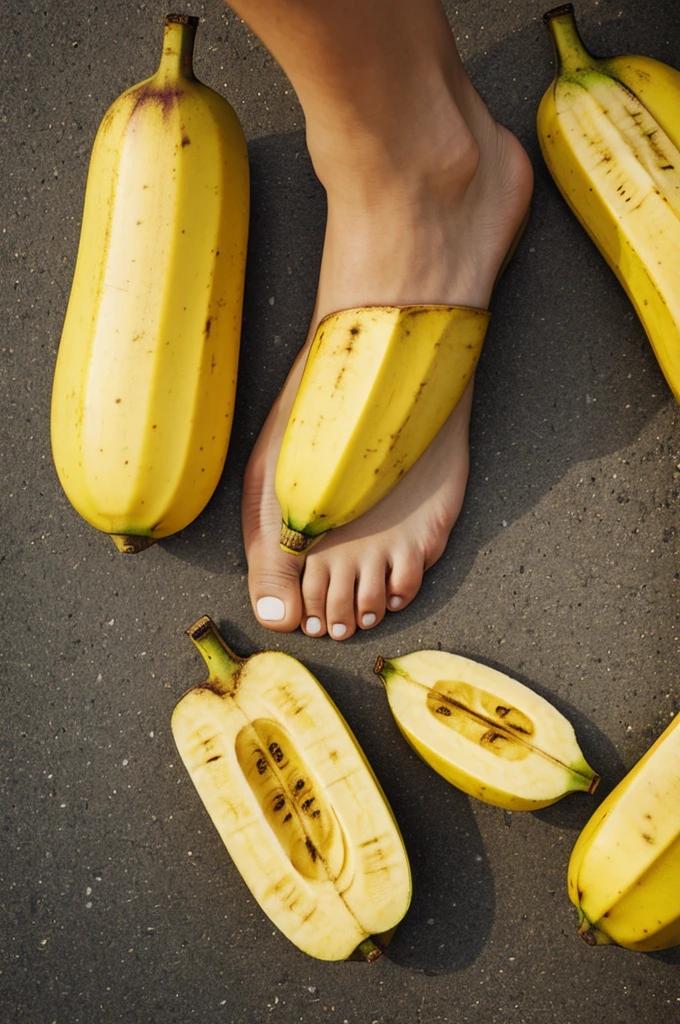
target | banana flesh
x=293, y=799
x=145, y=379
x=484, y=732
x=610, y=135
x=624, y=871
x=378, y=385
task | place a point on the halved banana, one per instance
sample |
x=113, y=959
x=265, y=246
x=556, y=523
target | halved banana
x=294, y=800
x=486, y=733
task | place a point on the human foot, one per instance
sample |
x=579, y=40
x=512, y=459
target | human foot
x=436, y=232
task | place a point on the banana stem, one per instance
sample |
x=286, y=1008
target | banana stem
x=570, y=53
x=224, y=666
x=178, y=48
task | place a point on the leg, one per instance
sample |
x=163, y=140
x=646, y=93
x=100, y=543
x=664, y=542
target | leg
x=425, y=194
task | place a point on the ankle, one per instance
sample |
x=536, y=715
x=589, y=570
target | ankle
x=433, y=154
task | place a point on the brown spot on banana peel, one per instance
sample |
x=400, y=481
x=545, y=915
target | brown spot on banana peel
x=164, y=96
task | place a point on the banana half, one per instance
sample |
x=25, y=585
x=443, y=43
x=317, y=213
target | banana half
x=378, y=384
x=624, y=871
x=294, y=800
x=609, y=132
x=484, y=732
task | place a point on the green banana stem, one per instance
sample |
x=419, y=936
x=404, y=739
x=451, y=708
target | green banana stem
x=570, y=53
x=178, y=48
x=366, y=952
x=224, y=666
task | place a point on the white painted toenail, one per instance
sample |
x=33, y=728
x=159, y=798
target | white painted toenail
x=395, y=602
x=369, y=619
x=271, y=609
x=338, y=629
x=313, y=624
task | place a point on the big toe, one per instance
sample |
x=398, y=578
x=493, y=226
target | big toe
x=274, y=585
x=273, y=574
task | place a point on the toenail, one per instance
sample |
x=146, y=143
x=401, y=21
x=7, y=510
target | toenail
x=271, y=609
x=395, y=602
x=369, y=619
x=338, y=629
x=313, y=624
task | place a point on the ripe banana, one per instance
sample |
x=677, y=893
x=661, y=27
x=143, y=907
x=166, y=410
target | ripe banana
x=610, y=136
x=145, y=378
x=378, y=384
x=486, y=733
x=294, y=800
x=624, y=871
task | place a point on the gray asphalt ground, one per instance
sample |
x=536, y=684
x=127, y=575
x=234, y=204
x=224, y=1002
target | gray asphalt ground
x=118, y=902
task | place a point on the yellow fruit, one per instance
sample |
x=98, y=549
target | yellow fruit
x=624, y=871
x=378, y=385
x=294, y=800
x=610, y=135
x=484, y=732
x=145, y=378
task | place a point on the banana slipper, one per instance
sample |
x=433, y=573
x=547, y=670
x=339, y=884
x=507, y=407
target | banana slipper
x=378, y=385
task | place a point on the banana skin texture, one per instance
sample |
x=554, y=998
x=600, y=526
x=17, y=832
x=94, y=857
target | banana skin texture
x=378, y=384
x=624, y=870
x=145, y=379
x=294, y=800
x=483, y=731
x=609, y=132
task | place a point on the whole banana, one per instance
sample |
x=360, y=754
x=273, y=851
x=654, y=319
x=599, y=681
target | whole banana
x=483, y=731
x=145, y=379
x=378, y=385
x=624, y=871
x=610, y=135
x=294, y=800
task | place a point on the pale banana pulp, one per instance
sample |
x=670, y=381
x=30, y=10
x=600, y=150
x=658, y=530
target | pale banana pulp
x=293, y=799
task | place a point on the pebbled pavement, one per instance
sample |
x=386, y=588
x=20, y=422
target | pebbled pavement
x=118, y=903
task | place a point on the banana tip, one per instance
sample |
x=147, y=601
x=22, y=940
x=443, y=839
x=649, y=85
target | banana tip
x=295, y=542
x=131, y=544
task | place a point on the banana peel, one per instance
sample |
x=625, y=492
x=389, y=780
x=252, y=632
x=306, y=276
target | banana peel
x=145, y=379
x=624, y=870
x=378, y=385
x=609, y=133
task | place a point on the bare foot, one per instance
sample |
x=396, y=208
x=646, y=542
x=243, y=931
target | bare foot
x=435, y=231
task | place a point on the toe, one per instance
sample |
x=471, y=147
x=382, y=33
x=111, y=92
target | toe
x=340, y=619
x=405, y=578
x=371, y=594
x=273, y=575
x=274, y=584
x=314, y=593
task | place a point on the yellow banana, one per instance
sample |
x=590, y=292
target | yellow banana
x=486, y=733
x=294, y=800
x=378, y=384
x=624, y=871
x=145, y=378
x=610, y=135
